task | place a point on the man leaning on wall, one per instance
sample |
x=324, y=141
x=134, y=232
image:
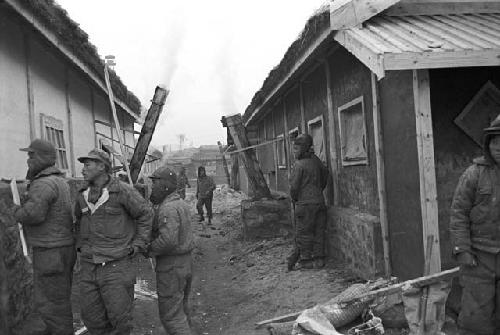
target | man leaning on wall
x=113, y=223
x=48, y=222
x=475, y=235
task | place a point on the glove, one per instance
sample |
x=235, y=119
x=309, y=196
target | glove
x=467, y=259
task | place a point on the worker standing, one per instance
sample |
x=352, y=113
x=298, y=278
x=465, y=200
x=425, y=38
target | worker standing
x=48, y=222
x=113, y=225
x=171, y=246
x=475, y=235
x=307, y=182
x=205, y=187
x=182, y=182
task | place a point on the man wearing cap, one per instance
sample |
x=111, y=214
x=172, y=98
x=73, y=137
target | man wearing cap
x=182, y=182
x=48, y=222
x=475, y=236
x=307, y=182
x=205, y=187
x=171, y=246
x=113, y=225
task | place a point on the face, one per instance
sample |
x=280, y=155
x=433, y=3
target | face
x=31, y=160
x=159, y=190
x=495, y=148
x=203, y=173
x=297, y=151
x=92, y=170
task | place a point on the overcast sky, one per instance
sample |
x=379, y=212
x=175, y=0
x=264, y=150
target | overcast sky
x=212, y=55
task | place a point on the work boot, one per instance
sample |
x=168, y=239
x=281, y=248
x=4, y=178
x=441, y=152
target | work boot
x=209, y=221
x=292, y=259
x=201, y=218
x=319, y=263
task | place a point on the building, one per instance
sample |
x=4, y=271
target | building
x=395, y=95
x=53, y=87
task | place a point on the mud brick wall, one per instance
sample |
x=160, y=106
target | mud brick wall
x=16, y=276
x=356, y=239
x=266, y=218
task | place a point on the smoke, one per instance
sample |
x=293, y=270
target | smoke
x=226, y=75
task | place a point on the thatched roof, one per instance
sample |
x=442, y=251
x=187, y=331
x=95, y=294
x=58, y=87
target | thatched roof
x=68, y=32
x=315, y=26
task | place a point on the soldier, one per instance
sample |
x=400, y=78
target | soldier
x=171, y=246
x=307, y=182
x=114, y=224
x=475, y=235
x=48, y=222
x=204, y=193
x=182, y=182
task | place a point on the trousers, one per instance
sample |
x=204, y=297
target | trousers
x=107, y=296
x=207, y=202
x=310, y=229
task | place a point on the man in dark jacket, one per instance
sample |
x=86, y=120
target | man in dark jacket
x=307, y=182
x=204, y=193
x=475, y=235
x=113, y=224
x=182, y=182
x=48, y=222
x=171, y=246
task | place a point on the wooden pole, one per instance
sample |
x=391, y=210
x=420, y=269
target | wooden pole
x=255, y=177
x=224, y=162
x=141, y=148
x=17, y=201
x=117, y=124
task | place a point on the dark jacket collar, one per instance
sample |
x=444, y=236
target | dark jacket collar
x=51, y=170
x=171, y=197
x=113, y=185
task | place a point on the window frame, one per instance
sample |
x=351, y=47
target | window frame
x=52, y=130
x=345, y=109
x=281, y=162
x=310, y=124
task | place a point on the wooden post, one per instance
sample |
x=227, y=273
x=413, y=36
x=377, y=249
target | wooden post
x=29, y=86
x=70, y=123
x=147, y=131
x=254, y=173
x=332, y=136
x=379, y=155
x=302, y=110
x=224, y=162
x=427, y=171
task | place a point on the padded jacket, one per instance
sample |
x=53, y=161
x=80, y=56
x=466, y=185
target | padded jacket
x=46, y=214
x=205, y=187
x=308, y=180
x=475, y=209
x=120, y=223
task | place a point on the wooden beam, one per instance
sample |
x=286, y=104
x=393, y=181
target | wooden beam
x=70, y=122
x=372, y=59
x=256, y=179
x=379, y=155
x=224, y=162
x=427, y=170
x=147, y=131
x=443, y=7
x=345, y=14
x=92, y=107
x=332, y=134
x=29, y=85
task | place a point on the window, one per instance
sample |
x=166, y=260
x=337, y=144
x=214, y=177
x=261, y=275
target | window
x=353, y=133
x=53, y=131
x=292, y=135
x=316, y=131
x=281, y=151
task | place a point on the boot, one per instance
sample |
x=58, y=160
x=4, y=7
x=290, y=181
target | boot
x=292, y=259
x=201, y=218
x=209, y=221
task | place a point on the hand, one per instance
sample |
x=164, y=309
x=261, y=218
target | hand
x=133, y=251
x=466, y=258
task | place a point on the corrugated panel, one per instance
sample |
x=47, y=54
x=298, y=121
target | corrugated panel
x=436, y=33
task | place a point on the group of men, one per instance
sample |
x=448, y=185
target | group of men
x=109, y=225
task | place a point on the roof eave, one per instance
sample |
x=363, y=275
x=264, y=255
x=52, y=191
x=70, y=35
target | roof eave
x=51, y=37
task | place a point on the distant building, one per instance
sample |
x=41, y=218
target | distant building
x=53, y=87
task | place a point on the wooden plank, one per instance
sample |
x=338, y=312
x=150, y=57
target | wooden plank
x=303, y=129
x=345, y=14
x=379, y=156
x=332, y=135
x=278, y=319
x=256, y=179
x=471, y=28
x=148, y=128
x=29, y=86
x=437, y=60
x=92, y=107
x=440, y=7
x=427, y=171
x=372, y=60
x=70, y=123
x=224, y=162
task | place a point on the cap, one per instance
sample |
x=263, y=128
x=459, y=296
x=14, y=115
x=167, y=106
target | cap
x=494, y=128
x=165, y=173
x=304, y=140
x=96, y=155
x=40, y=146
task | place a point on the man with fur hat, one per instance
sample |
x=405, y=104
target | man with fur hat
x=307, y=182
x=114, y=225
x=475, y=235
x=48, y=222
x=205, y=187
x=171, y=246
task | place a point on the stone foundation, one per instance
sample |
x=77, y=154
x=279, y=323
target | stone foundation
x=356, y=239
x=266, y=218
